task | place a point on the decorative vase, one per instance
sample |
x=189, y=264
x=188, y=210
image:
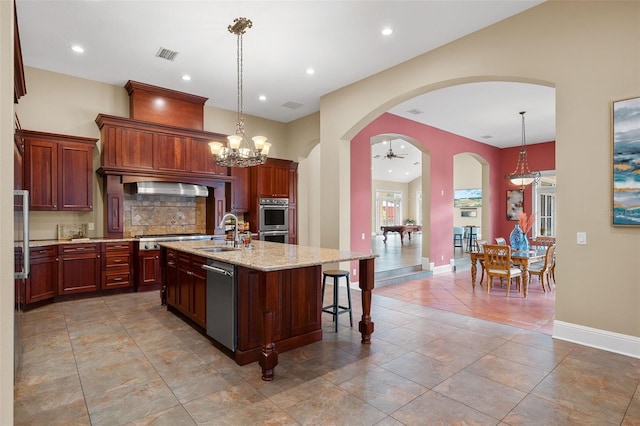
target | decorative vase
x=518, y=239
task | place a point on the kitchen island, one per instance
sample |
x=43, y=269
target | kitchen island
x=278, y=294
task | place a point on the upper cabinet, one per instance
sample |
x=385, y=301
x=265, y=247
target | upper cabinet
x=19, y=85
x=271, y=180
x=58, y=170
x=133, y=147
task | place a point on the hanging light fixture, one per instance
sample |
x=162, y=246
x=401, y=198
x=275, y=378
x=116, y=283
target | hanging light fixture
x=522, y=176
x=238, y=152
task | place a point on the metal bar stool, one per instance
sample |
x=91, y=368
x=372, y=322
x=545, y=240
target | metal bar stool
x=335, y=308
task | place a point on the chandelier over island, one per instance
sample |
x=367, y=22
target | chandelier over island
x=522, y=176
x=238, y=152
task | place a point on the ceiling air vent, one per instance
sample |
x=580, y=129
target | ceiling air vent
x=292, y=105
x=167, y=54
x=415, y=111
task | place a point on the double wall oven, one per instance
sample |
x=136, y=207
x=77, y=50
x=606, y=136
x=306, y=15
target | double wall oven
x=273, y=218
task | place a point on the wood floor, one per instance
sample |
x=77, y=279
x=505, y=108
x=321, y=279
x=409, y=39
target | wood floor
x=453, y=292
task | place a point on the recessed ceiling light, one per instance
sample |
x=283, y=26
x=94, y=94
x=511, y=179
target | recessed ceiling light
x=186, y=77
x=262, y=98
x=390, y=171
x=77, y=48
x=387, y=31
x=311, y=71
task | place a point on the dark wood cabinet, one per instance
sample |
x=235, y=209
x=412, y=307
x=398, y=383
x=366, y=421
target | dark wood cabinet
x=240, y=190
x=187, y=285
x=149, y=272
x=170, y=152
x=79, y=268
x=43, y=279
x=201, y=160
x=293, y=203
x=58, y=171
x=271, y=180
x=117, y=267
x=297, y=317
x=171, y=277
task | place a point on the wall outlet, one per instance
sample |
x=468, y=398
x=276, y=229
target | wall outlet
x=363, y=235
x=91, y=226
x=441, y=257
x=355, y=271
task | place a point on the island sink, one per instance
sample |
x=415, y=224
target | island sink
x=216, y=249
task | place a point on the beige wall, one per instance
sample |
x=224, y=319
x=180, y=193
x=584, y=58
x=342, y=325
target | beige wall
x=6, y=213
x=590, y=52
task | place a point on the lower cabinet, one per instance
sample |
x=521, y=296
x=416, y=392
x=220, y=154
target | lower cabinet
x=117, y=267
x=297, y=317
x=79, y=268
x=149, y=272
x=187, y=285
x=43, y=279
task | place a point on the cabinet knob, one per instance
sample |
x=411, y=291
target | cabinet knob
x=157, y=257
x=98, y=256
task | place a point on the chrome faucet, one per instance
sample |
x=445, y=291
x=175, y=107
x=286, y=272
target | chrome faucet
x=236, y=239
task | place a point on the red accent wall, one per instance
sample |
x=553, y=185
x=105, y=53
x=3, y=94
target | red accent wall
x=442, y=147
x=540, y=156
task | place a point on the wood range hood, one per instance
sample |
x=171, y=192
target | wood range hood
x=162, y=141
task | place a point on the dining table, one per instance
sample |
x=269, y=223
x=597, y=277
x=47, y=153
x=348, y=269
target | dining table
x=521, y=258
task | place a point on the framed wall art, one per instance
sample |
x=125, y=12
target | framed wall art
x=468, y=213
x=515, y=203
x=625, y=136
x=467, y=197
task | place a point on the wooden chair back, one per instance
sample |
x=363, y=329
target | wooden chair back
x=501, y=241
x=497, y=263
x=544, y=241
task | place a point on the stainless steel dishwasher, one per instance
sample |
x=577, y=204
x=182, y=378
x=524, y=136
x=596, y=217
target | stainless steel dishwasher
x=221, y=302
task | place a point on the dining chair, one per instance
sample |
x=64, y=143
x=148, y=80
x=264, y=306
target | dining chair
x=480, y=249
x=501, y=241
x=544, y=269
x=543, y=241
x=497, y=263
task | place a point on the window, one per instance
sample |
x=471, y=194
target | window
x=545, y=206
x=388, y=208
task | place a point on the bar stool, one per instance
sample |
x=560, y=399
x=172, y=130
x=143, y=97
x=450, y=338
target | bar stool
x=335, y=308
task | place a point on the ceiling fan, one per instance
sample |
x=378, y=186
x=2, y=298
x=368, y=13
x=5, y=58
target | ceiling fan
x=390, y=155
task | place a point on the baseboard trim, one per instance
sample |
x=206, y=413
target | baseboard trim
x=600, y=339
x=442, y=269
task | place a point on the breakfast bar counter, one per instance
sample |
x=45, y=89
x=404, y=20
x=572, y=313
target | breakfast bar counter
x=279, y=300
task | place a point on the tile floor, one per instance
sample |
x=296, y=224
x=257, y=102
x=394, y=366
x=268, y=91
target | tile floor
x=124, y=359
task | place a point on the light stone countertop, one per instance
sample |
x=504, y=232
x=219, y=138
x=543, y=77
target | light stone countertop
x=42, y=243
x=267, y=256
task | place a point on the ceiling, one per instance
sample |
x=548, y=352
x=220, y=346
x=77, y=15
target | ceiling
x=340, y=40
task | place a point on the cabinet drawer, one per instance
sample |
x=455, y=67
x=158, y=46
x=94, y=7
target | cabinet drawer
x=116, y=279
x=116, y=260
x=117, y=246
x=43, y=251
x=78, y=248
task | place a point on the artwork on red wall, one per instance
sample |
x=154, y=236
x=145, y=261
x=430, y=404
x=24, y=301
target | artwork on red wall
x=515, y=203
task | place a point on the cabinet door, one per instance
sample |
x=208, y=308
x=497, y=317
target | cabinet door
x=272, y=179
x=240, y=189
x=198, y=291
x=183, y=294
x=41, y=175
x=135, y=149
x=305, y=300
x=171, y=279
x=43, y=279
x=75, y=162
x=171, y=153
x=202, y=160
x=79, y=273
x=149, y=268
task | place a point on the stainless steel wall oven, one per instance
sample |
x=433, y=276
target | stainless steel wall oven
x=273, y=214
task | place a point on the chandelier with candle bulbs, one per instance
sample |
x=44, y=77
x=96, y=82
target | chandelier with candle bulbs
x=238, y=152
x=522, y=176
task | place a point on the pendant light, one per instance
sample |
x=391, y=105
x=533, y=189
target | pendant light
x=522, y=176
x=238, y=152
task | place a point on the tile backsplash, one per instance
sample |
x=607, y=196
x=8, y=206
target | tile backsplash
x=163, y=214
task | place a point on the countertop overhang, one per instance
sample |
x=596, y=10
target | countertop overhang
x=267, y=256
